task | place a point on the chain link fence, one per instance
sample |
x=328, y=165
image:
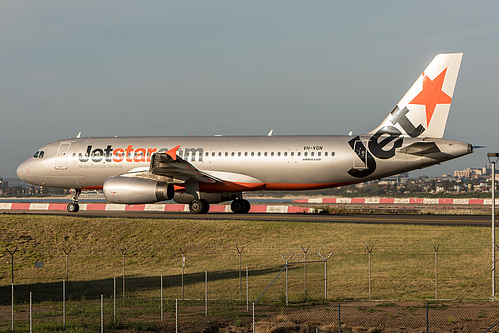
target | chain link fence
x=141, y=315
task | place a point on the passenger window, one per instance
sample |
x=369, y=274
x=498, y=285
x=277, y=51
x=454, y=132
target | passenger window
x=292, y=153
x=259, y=154
x=279, y=154
x=312, y=154
x=252, y=154
x=245, y=153
x=305, y=154
x=213, y=154
x=226, y=154
x=232, y=154
x=332, y=154
x=325, y=153
x=319, y=154
x=272, y=154
x=239, y=154
x=265, y=154
x=299, y=153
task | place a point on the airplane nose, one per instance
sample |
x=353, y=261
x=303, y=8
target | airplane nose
x=23, y=170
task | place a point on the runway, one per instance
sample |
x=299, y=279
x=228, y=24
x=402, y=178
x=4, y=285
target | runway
x=435, y=220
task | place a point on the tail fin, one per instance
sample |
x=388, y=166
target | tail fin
x=423, y=110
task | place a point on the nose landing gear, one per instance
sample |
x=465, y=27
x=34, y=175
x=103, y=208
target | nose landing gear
x=73, y=207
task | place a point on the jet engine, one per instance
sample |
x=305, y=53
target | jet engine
x=185, y=198
x=136, y=190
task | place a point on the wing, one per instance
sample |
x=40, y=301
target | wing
x=166, y=165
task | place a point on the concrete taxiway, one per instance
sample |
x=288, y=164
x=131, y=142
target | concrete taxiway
x=436, y=220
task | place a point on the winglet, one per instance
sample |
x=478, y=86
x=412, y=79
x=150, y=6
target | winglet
x=173, y=152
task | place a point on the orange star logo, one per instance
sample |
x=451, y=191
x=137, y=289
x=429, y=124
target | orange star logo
x=432, y=94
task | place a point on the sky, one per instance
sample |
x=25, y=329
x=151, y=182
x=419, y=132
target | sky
x=120, y=67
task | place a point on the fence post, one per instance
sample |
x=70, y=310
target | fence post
x=436, y=270
x=183, y=267
x=114, y=300
x=339, y=317
x=247, y=290
x=305, y=267
x=253, y=306
x=240, y=252
x=64, y=304
x=206, y=294
x=427, y=319
x=12, y=306
x=66, y=252
x=30, y=312
x=287, y=261
x=325, y=271
x=12, y=262
x=102, y=313
x=176, y=315
x=369, y=251
x=161, y=297
x=123, y=252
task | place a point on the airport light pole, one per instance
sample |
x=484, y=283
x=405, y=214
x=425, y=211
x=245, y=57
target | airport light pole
x=493, y=158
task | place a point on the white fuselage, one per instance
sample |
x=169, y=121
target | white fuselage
x=254, y=162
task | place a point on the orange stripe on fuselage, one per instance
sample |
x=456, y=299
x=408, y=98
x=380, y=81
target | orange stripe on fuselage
x=242, y=187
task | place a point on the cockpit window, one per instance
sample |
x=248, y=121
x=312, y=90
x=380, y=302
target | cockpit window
x=39, y=154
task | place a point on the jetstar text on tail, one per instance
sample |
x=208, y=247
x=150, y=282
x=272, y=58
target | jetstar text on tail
x=131, y=154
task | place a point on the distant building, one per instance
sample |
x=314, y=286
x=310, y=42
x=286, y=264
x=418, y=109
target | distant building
x=471, y=173
x=401, y=178
x=3, y=186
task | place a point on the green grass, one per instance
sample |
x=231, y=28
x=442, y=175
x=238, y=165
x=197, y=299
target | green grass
x=403, y=258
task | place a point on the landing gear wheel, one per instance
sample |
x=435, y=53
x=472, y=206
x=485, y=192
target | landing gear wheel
x=199, y=206
x=240, y=206
x=73, y=207
x=247, y=206
x=206, y=206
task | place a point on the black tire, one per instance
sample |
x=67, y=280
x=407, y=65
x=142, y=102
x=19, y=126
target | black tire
x=198, y=206
x=247, y=206
x=73, y=207
x=206, y=206
x=237, y=206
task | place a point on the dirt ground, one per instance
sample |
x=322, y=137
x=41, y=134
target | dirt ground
x=271, y=318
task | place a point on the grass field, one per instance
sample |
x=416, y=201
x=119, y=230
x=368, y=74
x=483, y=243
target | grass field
x=403, y=258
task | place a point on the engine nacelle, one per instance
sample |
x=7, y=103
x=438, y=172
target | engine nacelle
x=136, y=190
x=185, y=198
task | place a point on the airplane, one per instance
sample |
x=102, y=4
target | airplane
x=210, y=169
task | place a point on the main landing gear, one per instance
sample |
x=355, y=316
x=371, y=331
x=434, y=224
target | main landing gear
x=73, y=207
x=240, y=206
x=202, y=206
x=199, y=206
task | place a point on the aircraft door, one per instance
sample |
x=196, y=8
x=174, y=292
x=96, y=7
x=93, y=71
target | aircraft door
x=61, y=159
x=360, y=155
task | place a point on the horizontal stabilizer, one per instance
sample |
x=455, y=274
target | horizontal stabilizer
x=421, y=148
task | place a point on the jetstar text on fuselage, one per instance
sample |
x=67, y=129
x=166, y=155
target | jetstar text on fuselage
x=131, y=154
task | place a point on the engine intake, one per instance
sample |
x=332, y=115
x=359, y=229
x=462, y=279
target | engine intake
x=136, y=190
